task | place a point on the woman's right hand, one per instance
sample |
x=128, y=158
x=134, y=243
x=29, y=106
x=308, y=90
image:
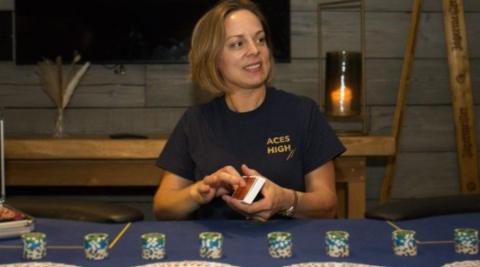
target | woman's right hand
x=219, y=183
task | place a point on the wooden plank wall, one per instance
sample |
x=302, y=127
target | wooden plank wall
x=149, y=99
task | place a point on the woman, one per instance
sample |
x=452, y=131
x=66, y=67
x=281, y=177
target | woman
x=250, y=129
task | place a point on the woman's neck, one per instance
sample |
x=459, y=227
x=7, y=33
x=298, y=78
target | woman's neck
x=245, y=100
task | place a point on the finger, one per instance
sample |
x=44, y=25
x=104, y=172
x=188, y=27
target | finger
x=201, y=193
x=259, y=206
x=225, y=179
x=226, y=199
x=232, y=172
x=230, y=169
x=249, y=172
x=232, y=201
x=235, y=204
x=259, y=219
x=223, y=191
x=244, y=209
x=241, y=207
x=203, y=188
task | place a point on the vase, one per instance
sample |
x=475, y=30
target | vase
x=58, y=131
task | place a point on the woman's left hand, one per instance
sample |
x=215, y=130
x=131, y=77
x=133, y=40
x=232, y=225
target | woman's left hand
x=273, y=201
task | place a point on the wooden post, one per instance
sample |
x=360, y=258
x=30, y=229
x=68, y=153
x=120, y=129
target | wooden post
x=462, y=102
x=408, y=56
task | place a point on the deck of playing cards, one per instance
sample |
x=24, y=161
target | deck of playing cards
x=247, y=193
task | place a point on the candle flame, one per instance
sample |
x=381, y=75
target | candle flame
x=342, y=99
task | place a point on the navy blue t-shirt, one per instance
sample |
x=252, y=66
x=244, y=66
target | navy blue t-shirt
x=284, y=139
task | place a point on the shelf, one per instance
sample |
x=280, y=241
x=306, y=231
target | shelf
x=105, y=148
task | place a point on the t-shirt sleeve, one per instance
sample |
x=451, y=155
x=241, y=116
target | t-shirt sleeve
x=175, y=156
x=321, y=143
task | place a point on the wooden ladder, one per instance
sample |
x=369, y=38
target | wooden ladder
x=462, y=100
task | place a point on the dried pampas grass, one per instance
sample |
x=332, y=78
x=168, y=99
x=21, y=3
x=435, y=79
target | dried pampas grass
x=60, y=87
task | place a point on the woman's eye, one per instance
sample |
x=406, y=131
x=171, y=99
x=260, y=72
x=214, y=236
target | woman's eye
x=261, y=40
x=236, y=44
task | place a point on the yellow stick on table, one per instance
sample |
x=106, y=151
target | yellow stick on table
x=120, y=234
x=396, y=227
x=435, y=242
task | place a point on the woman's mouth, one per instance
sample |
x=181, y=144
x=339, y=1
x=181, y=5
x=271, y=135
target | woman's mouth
x=253, y=67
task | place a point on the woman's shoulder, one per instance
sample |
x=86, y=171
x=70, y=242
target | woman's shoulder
x=291, y=99
x=196, y=111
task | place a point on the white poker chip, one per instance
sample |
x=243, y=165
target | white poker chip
x=330, y=264
x=37, y=264
x=472, y=263
x=187, y=264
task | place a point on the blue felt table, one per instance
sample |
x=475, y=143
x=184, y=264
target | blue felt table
x=245, y=242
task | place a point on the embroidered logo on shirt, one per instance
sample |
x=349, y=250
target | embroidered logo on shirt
x=280, y=144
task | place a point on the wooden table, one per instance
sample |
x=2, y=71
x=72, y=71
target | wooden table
x=100, y=161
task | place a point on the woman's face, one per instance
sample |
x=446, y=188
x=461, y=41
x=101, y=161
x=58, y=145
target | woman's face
x=244, y=62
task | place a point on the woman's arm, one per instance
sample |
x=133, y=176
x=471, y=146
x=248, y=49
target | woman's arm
x=173, y=199
x=177, y=197
x=319, y=200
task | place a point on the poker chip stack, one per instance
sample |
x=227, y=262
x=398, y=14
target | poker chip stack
x=404, y=243
x=96, y=246
x=336, y=244
x=153, y=246
x=466, y=241
x=34, y=245
x=280, y=244
x=211, y=245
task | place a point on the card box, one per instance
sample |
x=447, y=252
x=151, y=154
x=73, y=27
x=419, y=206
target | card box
x=247, y=193
x=14, y=222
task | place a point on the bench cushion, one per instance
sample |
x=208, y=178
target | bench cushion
x=76, y=209
x=425, y=207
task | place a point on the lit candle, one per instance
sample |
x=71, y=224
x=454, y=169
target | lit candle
x=341, y=100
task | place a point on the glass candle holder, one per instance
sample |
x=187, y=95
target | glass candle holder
x=34, y=245
x=336, y=244
x=96, y=246
x=280, y=244
x=211, y=245
x=153, y=246
x=404, y=243
x=466, y=241
x=343, y=82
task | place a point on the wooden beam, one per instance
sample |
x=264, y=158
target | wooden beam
x=462, y=98
x=83, y=148
x=368, y=145
x=409, y=55
x=89, y=173
x=104, y=148
x=350, y=179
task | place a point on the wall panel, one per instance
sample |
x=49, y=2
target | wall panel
x=93, y=121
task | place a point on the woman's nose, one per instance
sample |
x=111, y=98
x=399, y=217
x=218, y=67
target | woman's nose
x=252, y=48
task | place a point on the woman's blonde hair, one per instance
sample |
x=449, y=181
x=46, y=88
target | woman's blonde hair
x=207, y=43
